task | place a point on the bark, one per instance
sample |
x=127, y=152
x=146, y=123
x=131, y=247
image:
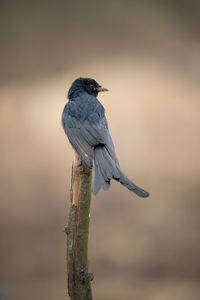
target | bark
x=79, y=280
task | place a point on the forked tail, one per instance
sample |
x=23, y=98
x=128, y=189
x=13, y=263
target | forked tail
x=105, y=169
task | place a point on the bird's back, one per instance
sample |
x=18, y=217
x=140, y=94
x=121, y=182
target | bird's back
x=83, y=108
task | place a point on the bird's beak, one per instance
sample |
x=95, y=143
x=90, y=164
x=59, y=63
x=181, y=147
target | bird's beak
x=102, y=89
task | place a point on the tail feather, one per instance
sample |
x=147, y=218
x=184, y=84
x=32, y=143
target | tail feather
x=98, y=180
x=124, y=180
x=105, y=169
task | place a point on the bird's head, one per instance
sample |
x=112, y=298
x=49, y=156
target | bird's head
x=87, y=85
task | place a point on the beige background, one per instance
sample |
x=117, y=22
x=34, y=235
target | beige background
x=148, y=56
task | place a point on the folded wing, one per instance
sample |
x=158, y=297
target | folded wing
x=85, y=134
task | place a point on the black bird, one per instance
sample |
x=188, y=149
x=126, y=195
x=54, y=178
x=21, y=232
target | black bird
x=86, y=126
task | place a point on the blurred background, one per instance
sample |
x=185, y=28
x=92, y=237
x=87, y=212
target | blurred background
x=147, y=53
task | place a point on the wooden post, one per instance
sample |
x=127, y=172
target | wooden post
x=79, y=286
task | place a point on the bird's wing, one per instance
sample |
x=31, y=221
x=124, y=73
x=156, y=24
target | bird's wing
x=85, y=134
x=109, y=143
x=100, y=131
x=74, y=130
x=81, y=146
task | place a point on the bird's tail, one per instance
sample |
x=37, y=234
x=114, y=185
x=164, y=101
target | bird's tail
x=105, y=169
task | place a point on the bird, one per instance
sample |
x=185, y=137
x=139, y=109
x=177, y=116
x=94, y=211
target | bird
x=86, y=127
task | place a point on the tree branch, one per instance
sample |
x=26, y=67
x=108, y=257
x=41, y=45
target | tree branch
x=79, y=287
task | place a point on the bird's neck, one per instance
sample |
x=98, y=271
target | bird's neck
x=75, y=92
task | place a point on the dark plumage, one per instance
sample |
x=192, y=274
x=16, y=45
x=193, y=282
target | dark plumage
x=86, y=126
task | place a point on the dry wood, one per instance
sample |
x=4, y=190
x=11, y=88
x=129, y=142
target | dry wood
x=79, y=286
